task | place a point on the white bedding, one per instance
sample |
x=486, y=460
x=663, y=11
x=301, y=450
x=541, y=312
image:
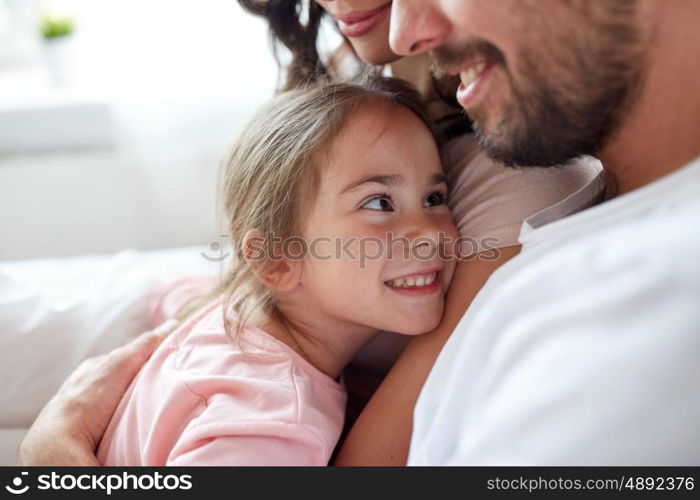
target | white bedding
x=56, y=312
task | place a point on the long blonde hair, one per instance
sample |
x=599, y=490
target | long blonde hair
x=272, y=173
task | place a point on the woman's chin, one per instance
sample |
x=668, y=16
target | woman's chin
x=370, y=55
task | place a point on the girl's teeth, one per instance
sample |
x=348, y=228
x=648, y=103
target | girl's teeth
x=413, y=281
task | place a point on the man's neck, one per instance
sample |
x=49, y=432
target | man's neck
x=662, y=132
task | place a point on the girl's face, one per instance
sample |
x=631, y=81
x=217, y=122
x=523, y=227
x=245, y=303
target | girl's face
x=365, y=23
x=380, y=231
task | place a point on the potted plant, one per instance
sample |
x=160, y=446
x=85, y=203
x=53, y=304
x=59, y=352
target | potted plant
x=57, y=33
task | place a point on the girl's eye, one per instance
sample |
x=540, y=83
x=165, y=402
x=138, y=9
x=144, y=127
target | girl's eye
x=379, y=203
x=436, y=198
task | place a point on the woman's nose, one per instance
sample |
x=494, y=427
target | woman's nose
x=417, y=26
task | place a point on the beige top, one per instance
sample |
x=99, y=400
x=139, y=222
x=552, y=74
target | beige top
x=490, y=202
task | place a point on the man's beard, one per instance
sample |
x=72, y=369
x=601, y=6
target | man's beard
x=574, y=112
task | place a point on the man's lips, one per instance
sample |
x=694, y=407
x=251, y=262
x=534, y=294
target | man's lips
x=475, y=65
x=473, y=75
x=359, y=23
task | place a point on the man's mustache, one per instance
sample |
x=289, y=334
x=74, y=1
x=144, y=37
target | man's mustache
x=445, y=58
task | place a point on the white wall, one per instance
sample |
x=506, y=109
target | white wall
x=179, y=78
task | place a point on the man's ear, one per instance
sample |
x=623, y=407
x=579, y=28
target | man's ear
x=275, y=270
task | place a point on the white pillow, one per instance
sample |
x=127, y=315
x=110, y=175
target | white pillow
x=56, y=312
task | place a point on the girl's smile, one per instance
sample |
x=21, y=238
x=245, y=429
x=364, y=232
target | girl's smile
x=417, y=284
x=382, y=188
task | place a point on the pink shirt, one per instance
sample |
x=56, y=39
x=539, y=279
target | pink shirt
x=203, y=400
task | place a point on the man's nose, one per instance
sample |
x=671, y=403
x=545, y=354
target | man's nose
x=417, y=26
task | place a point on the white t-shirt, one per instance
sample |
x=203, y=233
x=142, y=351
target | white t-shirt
x=582, y=350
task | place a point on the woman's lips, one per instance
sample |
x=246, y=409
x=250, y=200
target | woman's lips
x=360, y=23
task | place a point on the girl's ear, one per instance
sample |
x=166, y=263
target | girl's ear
x=277, y=272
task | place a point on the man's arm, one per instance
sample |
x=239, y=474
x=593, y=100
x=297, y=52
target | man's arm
x=382, y=433
x=69, y=428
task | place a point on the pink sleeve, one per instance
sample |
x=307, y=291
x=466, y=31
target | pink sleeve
x=265, y=443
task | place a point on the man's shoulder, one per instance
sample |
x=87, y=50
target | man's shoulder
x=662, y=231
x=572, y=354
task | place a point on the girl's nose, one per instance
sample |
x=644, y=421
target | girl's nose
x=417, y=26
x=423, y=234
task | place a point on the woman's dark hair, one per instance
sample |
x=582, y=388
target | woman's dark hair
x=284, y=18
x=295, y=24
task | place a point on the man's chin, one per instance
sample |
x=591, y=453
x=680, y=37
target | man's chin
x=495, y=145
x=516, y=149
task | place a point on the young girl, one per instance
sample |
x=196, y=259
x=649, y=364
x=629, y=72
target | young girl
x=338, y=217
